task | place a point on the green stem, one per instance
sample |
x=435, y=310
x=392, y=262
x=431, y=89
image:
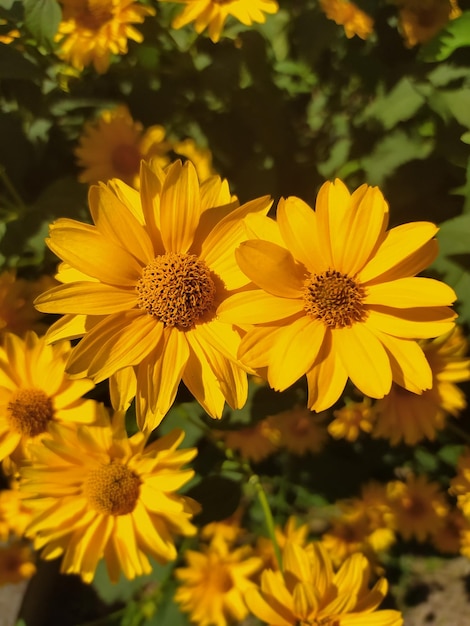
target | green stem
x=11, y=189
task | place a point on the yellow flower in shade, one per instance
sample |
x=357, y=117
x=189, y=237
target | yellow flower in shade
x=338, y=296
x=114, y=145
x=10, y=36
x=460, y=485
x=254, y=443
x=351, y=419
x=421, y=20
x=213, y=583
x=418, y=507
x=35, y=391
x=447, y=539
x=15, y=515
x=97, y=494
x=405, y=416
x=291, y=532
x=201, y=158
x=92, y=30
x=16, y=563
x=350, y=16
x=299, y=431
x=17, y=313
x=143, y=286
x=309, y=592
x=227, y=531
x=212, y=14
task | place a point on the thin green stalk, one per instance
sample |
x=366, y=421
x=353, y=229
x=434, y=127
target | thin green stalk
x=11, y=189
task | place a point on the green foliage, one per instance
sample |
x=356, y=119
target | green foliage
x=42, y=18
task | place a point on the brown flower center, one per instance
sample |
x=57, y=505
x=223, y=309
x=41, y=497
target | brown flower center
x=29, y=411
x=177, y=289
x=94, y=14
x=125, y=159
x=334, y=298
x=112, y=489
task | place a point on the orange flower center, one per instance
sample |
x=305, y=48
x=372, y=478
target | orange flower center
x=29, y=411
x=94, y=14
x=112, y=489
x=125, y=159
x=177, y=288
x=334, y=298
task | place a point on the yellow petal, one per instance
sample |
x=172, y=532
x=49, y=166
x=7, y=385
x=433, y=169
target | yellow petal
x=407, y=293
x=151, y=181
x=257, y=307
x=326, y=379
x=122, y=388
x=263, y=611
x=418, y=323
x=86, y=298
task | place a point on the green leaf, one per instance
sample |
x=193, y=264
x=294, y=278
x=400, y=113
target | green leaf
x=42, y=18
x=400, y=104
x=454, y=36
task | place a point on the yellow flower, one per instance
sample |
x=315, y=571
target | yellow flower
x=92, y=30
x=421, y=20
x=418, y=507
x=254, y=443
x=309, y=592
x=15, y=515
x=351, y=419
x=292, y=532
x=350, y=16
x=405, y=416
x=16, y=563
x=143, y=286
x=212, y=14
x=11, y=35
x=338, y=296
x=97, y=494
x=226, y=531
x=299, y=431
x=460, y=485
x=114, y=145
x=200, y=157
x=35, y=391
x=447, y=539
x=213, y=583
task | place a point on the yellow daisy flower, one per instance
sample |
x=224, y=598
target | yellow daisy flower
x=254, y=443
x=35, y=391
x=350, y=16
x=460, y=485
x=15, y=515
x=213, y=583
x=114, y=145
x=16, y=563
x=418, y=507
x=405, y=416
x=299, y=431
x=143, y=286
x=92, y=30
x=97, y=494
x=421, y=20
x=338, y=296
x=308, y=591
x=351, y=420
x=212, y=14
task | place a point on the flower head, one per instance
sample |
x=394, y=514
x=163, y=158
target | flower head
x=214, y=581
x=35, y=391
x=351, y=419
x=350, y=16
x=408, y=417
x=212, y=14
x=460, y=485
x=97, y=494
x=291, y=532
x=16, y=563
x=308, y=591
x=114, y=145
x=15, y=515
x=143, y=285
x=254, y=443
x=92, y=30
x=338, y=296
x=421, y=20
x=299, y=431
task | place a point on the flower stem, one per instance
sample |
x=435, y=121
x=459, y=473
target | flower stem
x=11, y=189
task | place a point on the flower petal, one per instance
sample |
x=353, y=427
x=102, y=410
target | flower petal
x=407, y=293
x=326, y=379
x=257, y=307
x=86, y=298
x=418, y=323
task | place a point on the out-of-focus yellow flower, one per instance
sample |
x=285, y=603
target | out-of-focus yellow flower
x=143, y=285
x=347, y=14
x=201, y=158
x=97, y=494
x=114, y=145
x=212, y=14
x=213, y=583
x=17, y=313
x=16, y=563
x=92, y=30
x=10, y=35
x=421, y=20
x=291, y=532
x=35, y=391
x=299, y=431
x=447, y=538
x=460, y=485
x=308, y=591
x=334, y=288
x=254, y=443
x=227, y=530
x=15, y=515
x=351, y=419
x=409, y=417
x=418, y=507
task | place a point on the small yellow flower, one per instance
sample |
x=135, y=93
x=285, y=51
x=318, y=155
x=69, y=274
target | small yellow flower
x=114, y=145
x=92, y=30
x=309, y=592
x=299, y=431
x=409, y=417
x=35, y=391
x=418, y=507
x=213, y=583
x=16, y=563
x=421, y=20
x=212, y=14
x=97, y=494
x=350, y=16
x=460, y=485
x=15, y=515
x=351, y=419
x=254, y=443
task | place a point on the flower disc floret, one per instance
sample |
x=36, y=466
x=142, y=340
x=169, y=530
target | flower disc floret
x=29, y=411
x=112, y=489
